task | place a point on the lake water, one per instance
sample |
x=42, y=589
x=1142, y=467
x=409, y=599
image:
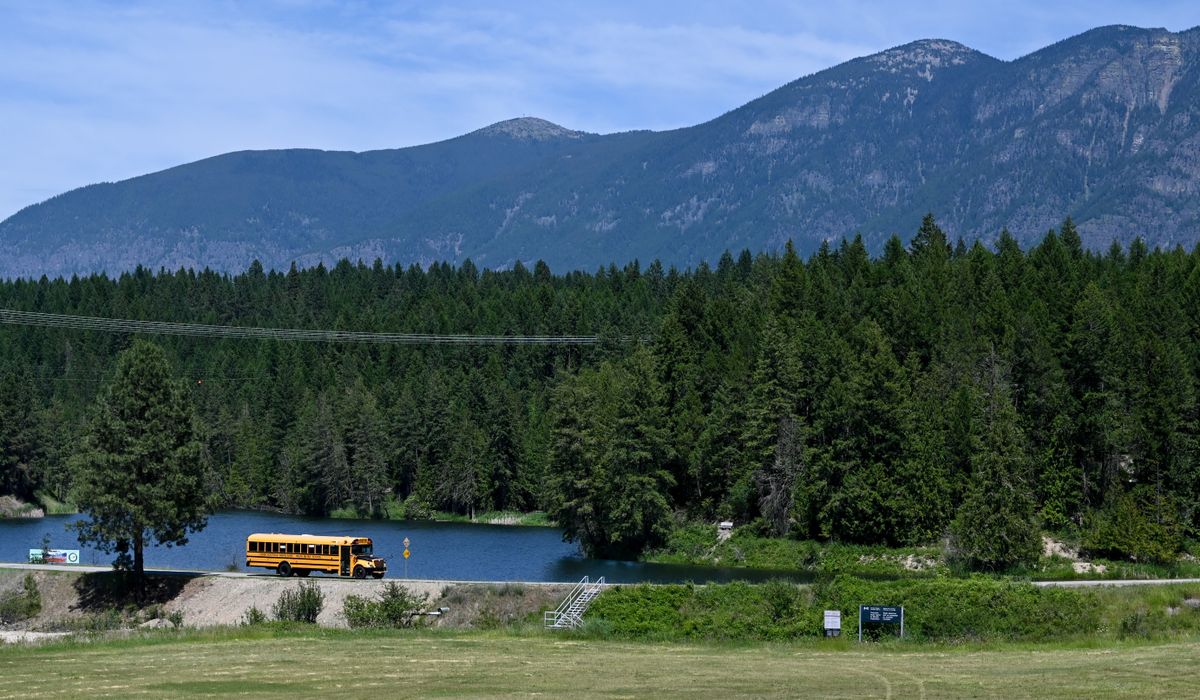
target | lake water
x=451, y=551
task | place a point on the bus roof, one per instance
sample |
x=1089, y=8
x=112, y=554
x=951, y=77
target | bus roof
x=307, y=539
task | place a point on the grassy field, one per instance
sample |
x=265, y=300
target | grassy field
x=272, y=663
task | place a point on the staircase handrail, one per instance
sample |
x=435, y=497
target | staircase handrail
x=585, y=588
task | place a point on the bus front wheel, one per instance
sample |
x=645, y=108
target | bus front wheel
x=284, y=569
x=360, y=572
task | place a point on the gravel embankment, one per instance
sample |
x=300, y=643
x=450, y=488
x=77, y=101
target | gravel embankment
x=220, y=600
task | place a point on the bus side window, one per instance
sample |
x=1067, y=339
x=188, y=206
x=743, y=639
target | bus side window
x=253, y=546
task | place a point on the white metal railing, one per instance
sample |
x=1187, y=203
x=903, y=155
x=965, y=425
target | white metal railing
x=569, y=613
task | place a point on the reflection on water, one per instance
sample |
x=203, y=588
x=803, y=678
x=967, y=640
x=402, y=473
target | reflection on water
x=456, y=551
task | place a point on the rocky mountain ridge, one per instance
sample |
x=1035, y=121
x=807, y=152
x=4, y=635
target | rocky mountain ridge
x=1104, y=127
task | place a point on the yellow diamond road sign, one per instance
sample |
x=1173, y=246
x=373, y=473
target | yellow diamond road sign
x=406, y=554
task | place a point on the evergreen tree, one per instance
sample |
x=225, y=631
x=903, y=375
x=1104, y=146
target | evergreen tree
x=18, y=435
x=458, y=485
x=610, y=448
x=139, y=475
x=994, y=528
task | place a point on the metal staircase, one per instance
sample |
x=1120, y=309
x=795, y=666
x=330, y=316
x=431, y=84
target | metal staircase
x=569, y=614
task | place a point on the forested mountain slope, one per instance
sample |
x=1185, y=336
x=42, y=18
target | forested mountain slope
x=1104, y=126
x=847, y=397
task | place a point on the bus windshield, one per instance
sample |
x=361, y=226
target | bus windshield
x=361, y=550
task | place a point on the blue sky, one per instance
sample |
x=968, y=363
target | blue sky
x=94, y=91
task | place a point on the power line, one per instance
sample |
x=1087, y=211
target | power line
x=117, y=325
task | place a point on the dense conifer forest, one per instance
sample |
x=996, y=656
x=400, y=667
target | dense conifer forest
x=935, y=389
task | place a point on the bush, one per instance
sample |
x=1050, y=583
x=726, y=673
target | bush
x=175, y=617
x=1135, y=624
x=396, y=607
x=935, y=609
x=1133, y=526
x=417, y=509
x=254, y=616
x=301, y=605
x=23, y=605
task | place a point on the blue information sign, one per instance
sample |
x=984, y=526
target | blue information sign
x=880, y=615
x=886, y=614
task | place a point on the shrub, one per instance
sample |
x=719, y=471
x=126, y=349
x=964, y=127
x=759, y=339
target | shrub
x=515, y=590
x=254, y=616
x=303, y=604
x=396, y=606
x=23, y=605
x=781, y=599
x=1132, y=526
x=1135, y=624
x=417, y=509
x=175, y=617
x=976, y=608
x=936, y=609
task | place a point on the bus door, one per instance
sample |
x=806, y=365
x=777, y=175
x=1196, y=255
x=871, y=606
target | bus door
x=345, y=560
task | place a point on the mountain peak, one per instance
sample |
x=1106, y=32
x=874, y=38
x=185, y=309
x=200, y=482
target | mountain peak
x=529, y=129
x=925, y=54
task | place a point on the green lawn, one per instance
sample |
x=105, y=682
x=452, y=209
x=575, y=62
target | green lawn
x=265, y=662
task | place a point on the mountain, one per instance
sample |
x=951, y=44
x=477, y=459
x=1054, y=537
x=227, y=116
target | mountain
x=1104, y=127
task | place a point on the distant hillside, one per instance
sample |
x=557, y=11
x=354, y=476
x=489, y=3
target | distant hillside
x=1104, y=127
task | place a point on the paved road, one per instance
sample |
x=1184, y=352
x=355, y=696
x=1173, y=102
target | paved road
x=1115, y=582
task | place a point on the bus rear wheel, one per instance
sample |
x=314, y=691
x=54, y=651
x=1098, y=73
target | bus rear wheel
x=360, y=572
x=284, y=569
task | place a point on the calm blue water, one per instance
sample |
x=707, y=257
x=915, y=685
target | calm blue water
x=454, y=551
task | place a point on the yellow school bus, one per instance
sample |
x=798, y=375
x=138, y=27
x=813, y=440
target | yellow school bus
x=300, y=555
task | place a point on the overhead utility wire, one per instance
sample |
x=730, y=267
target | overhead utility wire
x=116, y=325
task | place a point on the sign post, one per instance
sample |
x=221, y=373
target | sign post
x=882, y=615
x=405, y=557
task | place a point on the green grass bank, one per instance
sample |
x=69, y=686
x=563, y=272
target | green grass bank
x=942, y=610
x=697, y=544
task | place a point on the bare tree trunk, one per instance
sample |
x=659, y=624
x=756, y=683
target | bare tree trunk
x=138, y=562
